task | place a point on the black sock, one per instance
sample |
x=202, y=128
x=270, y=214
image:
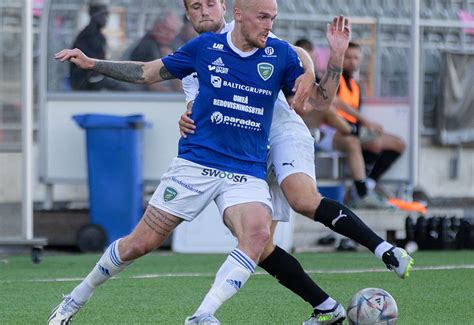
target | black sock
x=361, y=188
x=386, y=159
x=342, y=220
x=369, y=160
x=289, y=272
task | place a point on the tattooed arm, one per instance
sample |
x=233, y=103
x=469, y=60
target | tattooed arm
x=338, y=35
x=129, y=71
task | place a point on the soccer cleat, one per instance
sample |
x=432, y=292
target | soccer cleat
x=63, y=313
x=202, y=319
x=333, y=316
x=398, y=260
x=370, y=201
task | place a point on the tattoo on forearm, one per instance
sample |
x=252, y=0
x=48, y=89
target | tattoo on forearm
x=333, y=73
x=124, y=71
x=165, y=74
x=322, y=91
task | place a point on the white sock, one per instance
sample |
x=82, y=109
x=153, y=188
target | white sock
x=231, y=276
x=370, y=183
x=327, y=304
x=382, y=248
x=108, y=265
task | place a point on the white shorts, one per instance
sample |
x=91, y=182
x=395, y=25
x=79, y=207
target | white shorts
x=290, y=153
x=187, y=188
x=326, y=143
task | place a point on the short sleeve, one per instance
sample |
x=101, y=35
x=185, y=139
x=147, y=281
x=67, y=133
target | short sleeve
x=182, y=62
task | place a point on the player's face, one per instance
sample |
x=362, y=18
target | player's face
x=206, y=15
x=352, y=59
x=257, y=21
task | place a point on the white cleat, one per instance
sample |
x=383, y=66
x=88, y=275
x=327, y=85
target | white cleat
x=334, y=316
x=203, y=319
x=398, y=260
x=63, y=313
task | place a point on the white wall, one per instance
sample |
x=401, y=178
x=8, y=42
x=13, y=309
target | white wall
x=11, y=182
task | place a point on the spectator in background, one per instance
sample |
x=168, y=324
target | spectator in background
x=158, y=42
x=187, y=33
x=93, y=43
x=380, y=149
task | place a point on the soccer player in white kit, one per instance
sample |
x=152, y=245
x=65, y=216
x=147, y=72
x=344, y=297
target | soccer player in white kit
x=291, y=169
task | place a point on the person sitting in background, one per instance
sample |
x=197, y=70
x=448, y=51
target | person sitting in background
x=156, y=43
x=93, y=43
x=379, y=148
x=326, y=124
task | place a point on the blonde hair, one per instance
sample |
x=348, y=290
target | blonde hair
x=186, y=4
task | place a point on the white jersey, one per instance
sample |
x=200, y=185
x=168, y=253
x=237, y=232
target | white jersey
x=284, y=120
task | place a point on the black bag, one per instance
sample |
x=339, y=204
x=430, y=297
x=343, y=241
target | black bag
x=465, y=235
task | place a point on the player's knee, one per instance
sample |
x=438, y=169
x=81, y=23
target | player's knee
x=135, y=248
x=259, y=239
x=306, y=205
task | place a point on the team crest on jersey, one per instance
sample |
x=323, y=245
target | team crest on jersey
x=170, y=193
x=265, y=70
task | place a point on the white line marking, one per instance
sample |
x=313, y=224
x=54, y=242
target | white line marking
x=191, y=275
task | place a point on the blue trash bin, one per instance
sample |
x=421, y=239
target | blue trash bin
x=114, y=163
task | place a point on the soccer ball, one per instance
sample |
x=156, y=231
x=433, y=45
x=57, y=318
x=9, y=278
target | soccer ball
x=372, y=306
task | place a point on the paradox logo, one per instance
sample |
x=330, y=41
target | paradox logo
x=216, y=81
x=217, y=118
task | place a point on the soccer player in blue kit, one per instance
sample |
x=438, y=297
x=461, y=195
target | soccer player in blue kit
x=240, y=74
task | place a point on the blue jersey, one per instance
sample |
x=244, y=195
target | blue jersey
x=234, y=108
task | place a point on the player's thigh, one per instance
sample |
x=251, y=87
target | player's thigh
x=249, y=222
x=302, y=194
x=152, y=230
x=281, y=207
x=246, y=206
x=291, y=154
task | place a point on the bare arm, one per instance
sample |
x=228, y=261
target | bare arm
x=129, y=71
x=338, y=34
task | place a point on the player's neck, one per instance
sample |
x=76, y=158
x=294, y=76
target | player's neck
x=239, y=41
x=221, y=27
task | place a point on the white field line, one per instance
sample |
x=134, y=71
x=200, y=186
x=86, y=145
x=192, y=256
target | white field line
x=190, y=275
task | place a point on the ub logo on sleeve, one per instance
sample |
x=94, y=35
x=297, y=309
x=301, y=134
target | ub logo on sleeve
x=265, y=70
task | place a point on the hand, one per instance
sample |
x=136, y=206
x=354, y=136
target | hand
x=338, y=34
x=303, y=87
x=186, y=124
x=75, y=56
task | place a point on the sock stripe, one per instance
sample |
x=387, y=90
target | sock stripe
x=242, y=260
x=113, y=257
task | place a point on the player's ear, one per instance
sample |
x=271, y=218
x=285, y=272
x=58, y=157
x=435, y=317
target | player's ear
x=237, y=14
